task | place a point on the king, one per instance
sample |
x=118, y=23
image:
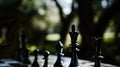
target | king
x=74, y=47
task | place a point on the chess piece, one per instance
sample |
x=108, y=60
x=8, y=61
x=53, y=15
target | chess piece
x=35, y=62
x=27, y=61
x=46, y=54
x=20, y=53
x=59, y=50
x=74, y=47
x=98, y=56
x=24, y=51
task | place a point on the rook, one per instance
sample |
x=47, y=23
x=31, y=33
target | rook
x=98, y=56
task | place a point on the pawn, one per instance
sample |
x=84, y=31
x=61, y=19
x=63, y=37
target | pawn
x=59, y=50
x=35, y=62
x=46, y=54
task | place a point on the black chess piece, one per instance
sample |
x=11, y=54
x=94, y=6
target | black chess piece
x=59, y=50
x=35, y=62
x=24, y=51
x=46, y=54
x=74, y=47
x=20, y=53
x=98, y=56
x=27, y=60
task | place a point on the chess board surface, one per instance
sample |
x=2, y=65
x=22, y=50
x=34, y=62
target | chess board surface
x=51, y=61
x=8, y=63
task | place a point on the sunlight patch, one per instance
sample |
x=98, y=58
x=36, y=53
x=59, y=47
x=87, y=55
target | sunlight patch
x=53, y=37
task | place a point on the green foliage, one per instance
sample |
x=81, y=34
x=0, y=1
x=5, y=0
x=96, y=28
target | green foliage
x=109, y=37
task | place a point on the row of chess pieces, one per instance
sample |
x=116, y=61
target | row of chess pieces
x=35, y=63
x=24, y=52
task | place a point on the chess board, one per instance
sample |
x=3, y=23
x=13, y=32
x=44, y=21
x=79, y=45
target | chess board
x=11, y=63
x=51, y=61
x=8, y=62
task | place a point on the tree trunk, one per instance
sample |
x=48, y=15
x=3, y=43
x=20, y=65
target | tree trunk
x=86, y=27
x=106, y=17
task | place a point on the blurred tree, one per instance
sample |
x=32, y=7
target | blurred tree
x=32, y=20
x=9, y=19
x=88, y=28
x=65, y=20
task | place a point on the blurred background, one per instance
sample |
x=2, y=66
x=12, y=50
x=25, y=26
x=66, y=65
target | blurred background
x=46, y=22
